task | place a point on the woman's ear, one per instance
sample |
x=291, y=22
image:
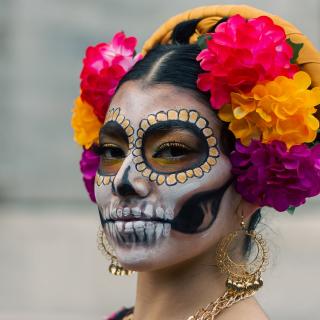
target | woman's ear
x=241, y=207
x=246, y=209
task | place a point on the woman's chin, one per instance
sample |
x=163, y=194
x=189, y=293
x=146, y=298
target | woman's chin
x=140, y=257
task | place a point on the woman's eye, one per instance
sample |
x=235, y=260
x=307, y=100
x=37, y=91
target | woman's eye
x=111, y=158
x=112, y=153
x=172, y=151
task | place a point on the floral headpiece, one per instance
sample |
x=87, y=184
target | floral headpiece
x=104, y=65
x=255, y=85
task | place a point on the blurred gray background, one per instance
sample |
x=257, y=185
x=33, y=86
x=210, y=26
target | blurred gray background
x=49, y=265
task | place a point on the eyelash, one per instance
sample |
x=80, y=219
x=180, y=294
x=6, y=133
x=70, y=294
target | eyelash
x=173, y=144
x=100, y=149
x=170, y=145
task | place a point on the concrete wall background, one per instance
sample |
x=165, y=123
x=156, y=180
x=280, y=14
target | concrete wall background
x=49, y=265
x=42, y=43
x=50, y=268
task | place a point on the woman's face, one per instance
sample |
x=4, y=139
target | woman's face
x=161, y=177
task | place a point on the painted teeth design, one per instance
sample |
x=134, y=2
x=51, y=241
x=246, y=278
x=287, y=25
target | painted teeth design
x=150, y=211
x=169, y=214
x=119, y=226
x=139, y=232
x=119, y=212
x=159, y=230
x=136, y=212
x=127, y=237
x=128, y=227
x=166, y=229
x=150, y=231
x=113, y=230
x=139, y=227
x=160, y=213
x=126, y=211
x=114, y=213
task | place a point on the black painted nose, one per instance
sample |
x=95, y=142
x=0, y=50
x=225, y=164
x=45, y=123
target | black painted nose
x=124, y=188
x=130, y=183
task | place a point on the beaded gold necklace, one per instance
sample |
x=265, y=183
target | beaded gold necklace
x=214, y=308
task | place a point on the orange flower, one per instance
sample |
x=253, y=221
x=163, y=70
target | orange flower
x=85, y=124
x=282, y=110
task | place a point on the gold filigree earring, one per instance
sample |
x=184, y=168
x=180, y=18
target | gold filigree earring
x=115, y=267
x=244, y=278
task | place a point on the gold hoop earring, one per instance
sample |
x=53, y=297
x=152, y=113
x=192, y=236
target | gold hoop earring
x=115, y=267
x=243, y=279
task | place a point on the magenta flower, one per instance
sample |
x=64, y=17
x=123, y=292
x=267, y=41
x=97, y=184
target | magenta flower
x=88, y=166
x=241, y=53
x=270, y=175
x=103, y=67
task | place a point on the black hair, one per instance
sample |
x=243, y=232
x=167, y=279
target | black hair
x=173, y=64
x=176, y=64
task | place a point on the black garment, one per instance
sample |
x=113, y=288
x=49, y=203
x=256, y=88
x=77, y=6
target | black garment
x=121, y=314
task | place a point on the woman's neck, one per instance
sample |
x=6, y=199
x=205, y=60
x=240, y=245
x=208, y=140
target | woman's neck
x=178, y=292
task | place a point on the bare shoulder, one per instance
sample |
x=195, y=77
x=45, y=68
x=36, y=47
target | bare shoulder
x=248, y=309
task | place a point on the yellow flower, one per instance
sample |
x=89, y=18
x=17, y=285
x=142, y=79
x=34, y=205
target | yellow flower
x=85, y=124
x=282, y=109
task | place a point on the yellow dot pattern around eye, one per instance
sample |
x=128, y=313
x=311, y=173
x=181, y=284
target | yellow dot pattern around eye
x=191, y=116
x=182, y=177
x=114, y=114
x=103, y=180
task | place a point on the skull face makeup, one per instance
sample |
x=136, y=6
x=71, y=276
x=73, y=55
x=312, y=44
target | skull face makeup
x=162, y=179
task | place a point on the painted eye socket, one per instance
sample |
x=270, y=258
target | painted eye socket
x=172, y=157
x=172, y=146
x=172, y=151
x=111, y=159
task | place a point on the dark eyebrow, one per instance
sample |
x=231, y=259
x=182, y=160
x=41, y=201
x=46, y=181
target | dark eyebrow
x=174, y=125
x=113, y=129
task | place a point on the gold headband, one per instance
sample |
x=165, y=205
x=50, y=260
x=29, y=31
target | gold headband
x=309, y=56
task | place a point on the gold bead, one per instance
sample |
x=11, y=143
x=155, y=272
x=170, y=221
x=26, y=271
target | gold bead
x=113, y=269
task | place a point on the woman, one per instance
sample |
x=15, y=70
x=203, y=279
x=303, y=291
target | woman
x=216, y=120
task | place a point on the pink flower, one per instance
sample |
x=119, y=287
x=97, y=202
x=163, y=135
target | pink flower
x=103, y=67
x=88, y=166
x=240, y=54
x=271, y=175
x=98, y=89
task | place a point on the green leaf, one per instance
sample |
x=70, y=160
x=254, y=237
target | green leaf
x=202, y=41
x=291, y=210
x=296, y=49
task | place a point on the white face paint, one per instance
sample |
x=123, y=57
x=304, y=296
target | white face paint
x=160, y=166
